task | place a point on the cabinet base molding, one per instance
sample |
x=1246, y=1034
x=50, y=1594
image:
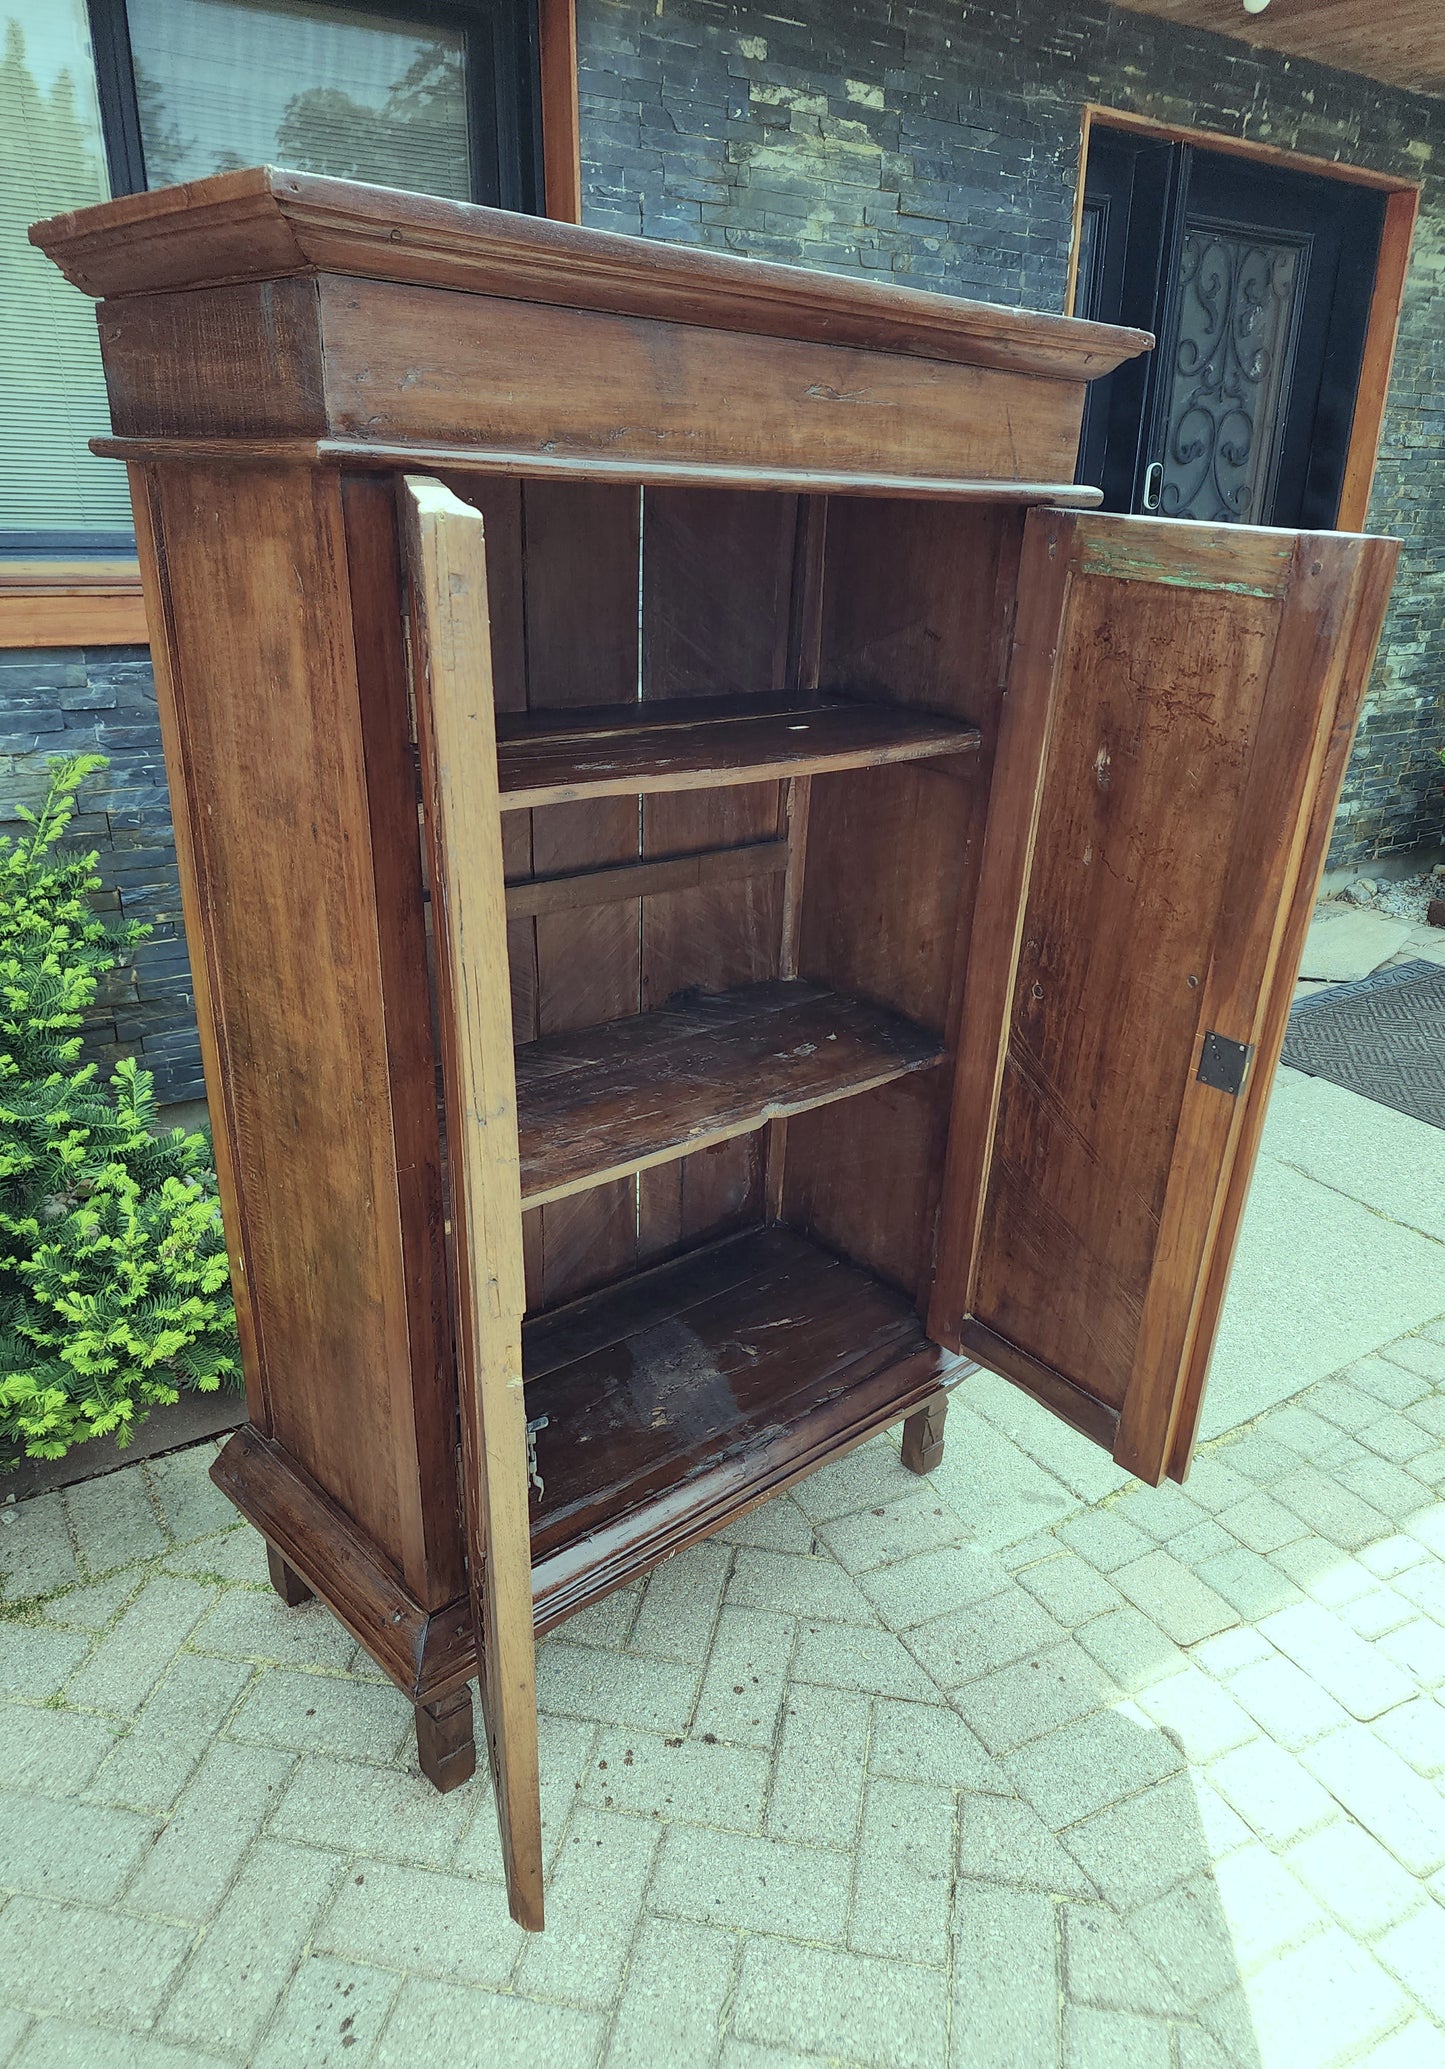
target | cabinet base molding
x=1085, y=1411
x=314, y=1548
x=317, y=1546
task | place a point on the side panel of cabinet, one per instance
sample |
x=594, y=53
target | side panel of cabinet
x=301, y=910
x=1179, y=713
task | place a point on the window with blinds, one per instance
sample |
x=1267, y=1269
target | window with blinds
x=54, y=494
x=432, y=95
x=344, y=91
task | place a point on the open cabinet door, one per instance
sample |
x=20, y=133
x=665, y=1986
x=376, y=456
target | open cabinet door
x=1180, y=708
x=451, y=662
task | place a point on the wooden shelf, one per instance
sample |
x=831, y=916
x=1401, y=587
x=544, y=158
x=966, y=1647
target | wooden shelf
x=704, y=743
x=615, y=1099
x=696, y=1388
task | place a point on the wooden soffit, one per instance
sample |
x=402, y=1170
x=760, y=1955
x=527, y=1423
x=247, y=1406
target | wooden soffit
x=1401, y=42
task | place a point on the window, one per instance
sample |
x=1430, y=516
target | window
x=439, y=96
x=54, y=495
x=434, y=95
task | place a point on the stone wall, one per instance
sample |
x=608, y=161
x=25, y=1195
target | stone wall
x=939, y=145
x=62, y=702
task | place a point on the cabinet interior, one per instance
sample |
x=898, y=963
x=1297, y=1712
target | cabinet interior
x=744, y=746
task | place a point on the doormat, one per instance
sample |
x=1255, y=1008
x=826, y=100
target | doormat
x=1383, y=1036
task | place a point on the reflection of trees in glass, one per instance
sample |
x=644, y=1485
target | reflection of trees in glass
x=30, y=115
x=165, y=148
x=418, y=137
x=52, y=395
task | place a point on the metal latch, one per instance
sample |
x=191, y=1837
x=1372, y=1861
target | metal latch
x=538, y=1422
x=1224, y=1064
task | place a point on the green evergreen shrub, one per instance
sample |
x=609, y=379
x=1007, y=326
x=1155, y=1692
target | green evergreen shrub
x=114, y=1291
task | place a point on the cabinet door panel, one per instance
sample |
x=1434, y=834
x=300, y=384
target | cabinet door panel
x=1180, y=708
x=452, y=682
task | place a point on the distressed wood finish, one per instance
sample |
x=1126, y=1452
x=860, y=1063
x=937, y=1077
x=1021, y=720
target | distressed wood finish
x=651, y=1088
x=705, y=871
x=923, y=1436
x=340, y=358
x=707, y=744
x=286, y=1581
x=446, y=1749
x=540, y=465
x=452, y=688
x=267, y=224
x=1149, y=891
x=285, y=815
x=672, y=973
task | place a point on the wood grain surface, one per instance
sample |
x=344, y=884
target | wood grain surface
x=452, y=687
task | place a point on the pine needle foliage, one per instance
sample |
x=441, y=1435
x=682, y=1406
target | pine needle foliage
x=114, y=1290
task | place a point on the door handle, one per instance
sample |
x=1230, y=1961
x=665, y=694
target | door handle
x=1153, y=484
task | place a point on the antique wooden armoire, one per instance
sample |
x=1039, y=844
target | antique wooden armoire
x=714, y=883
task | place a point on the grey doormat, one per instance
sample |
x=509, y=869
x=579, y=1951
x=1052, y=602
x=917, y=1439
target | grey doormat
x=1383, y=1036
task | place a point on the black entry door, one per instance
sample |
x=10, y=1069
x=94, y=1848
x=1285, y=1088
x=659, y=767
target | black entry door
x=1256, y=282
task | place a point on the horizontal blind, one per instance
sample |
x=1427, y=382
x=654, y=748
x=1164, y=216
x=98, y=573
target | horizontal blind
x=52, y=392
x=315, y=87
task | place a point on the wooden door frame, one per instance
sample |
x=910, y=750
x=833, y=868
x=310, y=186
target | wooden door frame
x=561, y=121
x=1402, y=205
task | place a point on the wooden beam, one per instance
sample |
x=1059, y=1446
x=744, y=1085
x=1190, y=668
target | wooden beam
x=534, y=895
x=1244, y=147
x=1378, y=357
x=561, y=122
x=71, y=603
x=1402, y=43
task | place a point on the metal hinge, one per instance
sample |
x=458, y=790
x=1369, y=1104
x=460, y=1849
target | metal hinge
x=1224, y=1064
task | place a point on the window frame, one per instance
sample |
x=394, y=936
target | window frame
x=504, y=127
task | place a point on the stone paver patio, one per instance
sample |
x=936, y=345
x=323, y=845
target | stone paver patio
x=1012, y=1766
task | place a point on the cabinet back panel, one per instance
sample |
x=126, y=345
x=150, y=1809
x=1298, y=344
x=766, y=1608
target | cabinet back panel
x=717, y=569
x=863, y=1175
x=917, y=603
x=1147, y=762
x=717, y=573
x=917, y=608
x=888, y=861
x=605, y=595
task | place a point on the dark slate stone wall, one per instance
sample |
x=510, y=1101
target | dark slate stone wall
x=938, y=145
x=62, y=702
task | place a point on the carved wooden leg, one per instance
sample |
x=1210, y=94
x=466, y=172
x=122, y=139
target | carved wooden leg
x=923, y=1435
x=286, y=1580
x=444, y=1741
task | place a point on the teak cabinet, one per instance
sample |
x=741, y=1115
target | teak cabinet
x=713, y=882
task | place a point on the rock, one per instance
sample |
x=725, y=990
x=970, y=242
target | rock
x=1362, y=892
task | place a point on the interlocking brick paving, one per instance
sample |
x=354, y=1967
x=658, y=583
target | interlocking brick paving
x=1019, y=1764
